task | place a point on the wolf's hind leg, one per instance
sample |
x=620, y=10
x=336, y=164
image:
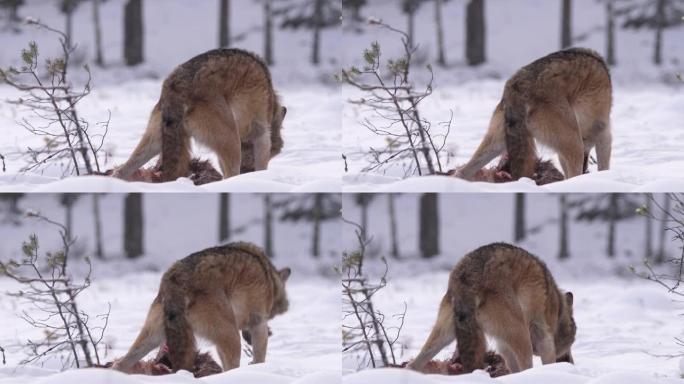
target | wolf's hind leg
x=151, y=336
x=508, y=355
x=213, y=125
x=213, y=318
x=543, y=343
x=511, y=332
x=150, y=145
x=555, y=124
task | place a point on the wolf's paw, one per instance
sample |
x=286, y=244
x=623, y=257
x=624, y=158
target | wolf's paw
x=456, y=173
x=116, y=172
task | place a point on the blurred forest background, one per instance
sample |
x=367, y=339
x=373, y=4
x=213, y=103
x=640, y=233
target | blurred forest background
x=157, y=35
x=507, y=34
x=130, y=232
x=579, y=235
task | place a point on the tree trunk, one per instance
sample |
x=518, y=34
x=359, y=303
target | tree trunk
x=429, y=225
x=268, y=33
x=268, y=226
x=660, y=23
x=363, y=199
x=133, y=225
x=648, y=252
x=133, y=32
x=68, y=200
x=318, y=23
x=411, y=27
x=519, y=226
x=563, y=252
x=224, y=217
x=612, y=220
x=97, y=218
x=661, y=256
x=475, y=33
x=69, y=28
x=394, y=251
x=99, y=59
x=441, y=57
x=224, y=24
x=566, y=24
x=14, y=12
x=317, y=216
x=610, y=34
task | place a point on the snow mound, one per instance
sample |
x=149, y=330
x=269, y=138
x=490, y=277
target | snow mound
x=556, y=373
x=621, y=179
x=97, y=375
x=280, y=179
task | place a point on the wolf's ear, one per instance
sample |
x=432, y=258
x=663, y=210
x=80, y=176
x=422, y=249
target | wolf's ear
x=283, y=111
x=284, y=274
x=569, y=298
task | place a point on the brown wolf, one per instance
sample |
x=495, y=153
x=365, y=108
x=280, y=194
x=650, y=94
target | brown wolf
x=224, y=99
x=213, y=293
x=564, y=101
x=508, y=294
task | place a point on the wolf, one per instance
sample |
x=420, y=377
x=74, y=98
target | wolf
x=563, y=100
x=214, y=293
x=502, y=291
x=224, y=99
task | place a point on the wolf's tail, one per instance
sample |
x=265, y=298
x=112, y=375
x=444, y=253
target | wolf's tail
x=179, y=337
x=470, y=339
x=519, y=140
x=175, y=159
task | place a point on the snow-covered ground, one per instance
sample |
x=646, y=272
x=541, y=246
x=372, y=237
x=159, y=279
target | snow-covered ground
x=646, y=118
x=175, y=31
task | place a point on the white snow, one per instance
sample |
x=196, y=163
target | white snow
x=647, y=117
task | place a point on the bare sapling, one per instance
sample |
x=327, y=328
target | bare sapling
x=390, y=93
x=670, y=274
x=51, y=291
x=52, y=99
x=365, y=331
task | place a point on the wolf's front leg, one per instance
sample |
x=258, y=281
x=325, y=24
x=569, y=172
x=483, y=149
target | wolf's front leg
x=150, y=145
x=493, y=144
x=150, y=337
x=259, y=333
x=262, y=151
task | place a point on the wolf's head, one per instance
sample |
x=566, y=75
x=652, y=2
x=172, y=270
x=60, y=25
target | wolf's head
x=280, y=302
x=565, y=334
